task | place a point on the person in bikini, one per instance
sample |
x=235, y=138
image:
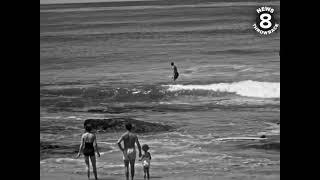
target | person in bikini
x=88, y=147
x=129, y=150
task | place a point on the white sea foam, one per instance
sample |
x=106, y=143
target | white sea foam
x=74, y=117
x=239, y=138
x=244, y=88
x=64, y=160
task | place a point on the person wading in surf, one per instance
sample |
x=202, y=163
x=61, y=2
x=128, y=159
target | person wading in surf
x=88, y=147
x=129, y=150
x=175, y=71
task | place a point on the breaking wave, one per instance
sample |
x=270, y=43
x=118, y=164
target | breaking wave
x=243, y=88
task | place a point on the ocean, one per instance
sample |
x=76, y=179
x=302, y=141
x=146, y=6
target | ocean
x=106, y=60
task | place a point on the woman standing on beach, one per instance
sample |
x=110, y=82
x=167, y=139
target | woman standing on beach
x=88, y=147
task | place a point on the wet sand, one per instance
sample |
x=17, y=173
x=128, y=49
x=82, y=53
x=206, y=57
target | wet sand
x=61, y=176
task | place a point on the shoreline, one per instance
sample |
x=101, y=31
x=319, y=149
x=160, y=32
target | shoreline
x=66, y=176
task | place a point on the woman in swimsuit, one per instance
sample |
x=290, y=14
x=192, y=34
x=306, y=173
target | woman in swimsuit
x=88, y=147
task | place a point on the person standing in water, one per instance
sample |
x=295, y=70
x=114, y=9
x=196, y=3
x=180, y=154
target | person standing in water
x=129, y=150
x=146, y=158
x=175, y=71
x=88, y=147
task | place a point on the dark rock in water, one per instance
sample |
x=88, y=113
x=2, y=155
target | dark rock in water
x=118, y=124
x=53, y=149
x=109, y=110
x=270, y=143
x=56, y=149
x=267, y=146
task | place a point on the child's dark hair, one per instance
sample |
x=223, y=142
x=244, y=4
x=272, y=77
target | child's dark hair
x=172, y=63
x=145, y=147
x=129, y=126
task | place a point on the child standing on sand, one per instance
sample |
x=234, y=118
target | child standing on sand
x=146, y=157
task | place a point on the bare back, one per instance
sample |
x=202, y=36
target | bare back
x=129, y=150
x=88, y=137
x=129, y=140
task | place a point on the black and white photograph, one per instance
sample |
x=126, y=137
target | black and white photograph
x=160, y=89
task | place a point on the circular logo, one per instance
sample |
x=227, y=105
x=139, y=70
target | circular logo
x=265, y=21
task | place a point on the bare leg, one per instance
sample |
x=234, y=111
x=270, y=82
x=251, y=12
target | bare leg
x=126, y=169
x=148, y=173
x=132, y=168
x=86, y=159
x=94, y=167
x=145, y=173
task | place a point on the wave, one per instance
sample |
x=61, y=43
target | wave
x=159, y=97
x=143, y=4
x=243, y=88
x=52, y=36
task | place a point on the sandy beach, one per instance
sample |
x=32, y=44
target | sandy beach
x=64, y=176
